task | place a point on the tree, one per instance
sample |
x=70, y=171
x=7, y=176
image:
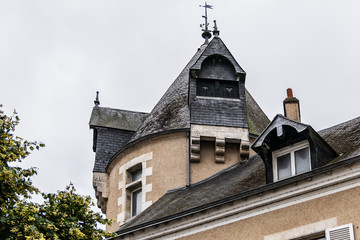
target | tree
x=62, y=215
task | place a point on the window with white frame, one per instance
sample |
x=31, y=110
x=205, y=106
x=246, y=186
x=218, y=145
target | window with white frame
x=134, y=190
x=344, y=232
x=291, y=160
x=322, y=232
x=136, y=199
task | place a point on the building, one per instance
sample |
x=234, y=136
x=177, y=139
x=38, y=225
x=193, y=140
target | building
x=186, y=169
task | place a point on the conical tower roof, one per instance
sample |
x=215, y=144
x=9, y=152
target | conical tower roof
x=172, y=114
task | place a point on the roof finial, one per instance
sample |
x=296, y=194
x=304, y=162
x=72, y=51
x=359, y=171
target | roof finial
x=206, y=32
x=216, y=31
x=97, y=101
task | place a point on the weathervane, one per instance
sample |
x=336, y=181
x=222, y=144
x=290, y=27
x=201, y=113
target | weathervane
x=206, y=32
x=97, y=101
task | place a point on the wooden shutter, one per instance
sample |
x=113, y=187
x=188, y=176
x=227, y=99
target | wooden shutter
x=344, y=232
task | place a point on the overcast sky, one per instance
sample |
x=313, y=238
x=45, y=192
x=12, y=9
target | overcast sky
x=54, y=56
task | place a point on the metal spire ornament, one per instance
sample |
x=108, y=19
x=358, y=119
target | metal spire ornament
x=206, y=32
x=97, y=101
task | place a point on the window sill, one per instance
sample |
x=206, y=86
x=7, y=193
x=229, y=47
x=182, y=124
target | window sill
x=133, y=185
x=219, y=98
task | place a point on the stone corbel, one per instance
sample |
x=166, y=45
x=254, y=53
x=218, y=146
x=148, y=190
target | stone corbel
x=100, y=185
x=195, y=149
x=244, y=150
x=220, y=150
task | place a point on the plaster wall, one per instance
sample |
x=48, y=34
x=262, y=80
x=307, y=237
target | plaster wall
x=207, y=166
x=293, y=221
x=164, y=160
x=220, y=147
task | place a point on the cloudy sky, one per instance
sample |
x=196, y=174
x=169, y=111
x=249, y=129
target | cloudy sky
x=54, y=56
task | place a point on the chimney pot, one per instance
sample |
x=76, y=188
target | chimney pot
x=289, y=93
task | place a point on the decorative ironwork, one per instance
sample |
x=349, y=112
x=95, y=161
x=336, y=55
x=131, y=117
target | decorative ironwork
x=206, y=32
x=97, y=101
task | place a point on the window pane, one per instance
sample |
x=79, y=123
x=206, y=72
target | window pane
x=229, y=89
x=136, y=202
x=302, y=163
x=205, y=88
x=284, y=166
x=136, y=175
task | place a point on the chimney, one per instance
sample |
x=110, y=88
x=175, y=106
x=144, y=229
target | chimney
x=292, y=106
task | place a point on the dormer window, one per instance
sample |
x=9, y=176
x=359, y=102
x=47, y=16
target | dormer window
x=289, y=148
x=217, y=88
x=217, y=78
x=291, y=160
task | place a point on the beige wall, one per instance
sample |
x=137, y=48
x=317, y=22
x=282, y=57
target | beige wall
x=292, y=111
x=207, y=166
x=168, y=163
x=343, y=206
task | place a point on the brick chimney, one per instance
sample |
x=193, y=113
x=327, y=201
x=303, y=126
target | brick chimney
x=292, y=106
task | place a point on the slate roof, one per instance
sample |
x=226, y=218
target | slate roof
x=344, y=138
x=217, y=46
x=241, y=180
x=116, y=118
x=257, y=120
x=171, y=113
x=221, y=185
x=172, y=110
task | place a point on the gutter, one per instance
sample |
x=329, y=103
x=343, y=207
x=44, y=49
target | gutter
x=188, y=177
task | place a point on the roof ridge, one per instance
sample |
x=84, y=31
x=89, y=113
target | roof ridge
x=124, y=110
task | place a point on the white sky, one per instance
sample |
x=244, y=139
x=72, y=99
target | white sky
x=54, y=56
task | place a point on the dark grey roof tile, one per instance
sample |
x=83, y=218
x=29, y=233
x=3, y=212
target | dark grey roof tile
x=116, y=118
x=344, y=138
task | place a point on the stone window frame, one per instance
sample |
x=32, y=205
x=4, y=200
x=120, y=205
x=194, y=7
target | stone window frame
x=125, y=183
x=289, y=150
x=345, y=231
x=133, y=186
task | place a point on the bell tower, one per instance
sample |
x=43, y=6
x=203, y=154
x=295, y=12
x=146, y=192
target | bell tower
x=218, y=115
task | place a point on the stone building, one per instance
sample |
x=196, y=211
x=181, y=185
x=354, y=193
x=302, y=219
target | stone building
x=186, y=169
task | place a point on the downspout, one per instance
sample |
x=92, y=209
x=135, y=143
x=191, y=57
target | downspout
x=188, y=159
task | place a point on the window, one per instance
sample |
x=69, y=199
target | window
x=313, y=236
x=291, y=161
x=134, y=191
x=344, y=232
x=217, y=88
x=136, y=175
x=136, y=202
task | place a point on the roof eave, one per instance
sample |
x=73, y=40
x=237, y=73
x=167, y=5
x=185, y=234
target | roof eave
x=255, y=191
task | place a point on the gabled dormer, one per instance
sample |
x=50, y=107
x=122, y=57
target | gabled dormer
x=290, y=148
x=218, y=115
x=217, y=88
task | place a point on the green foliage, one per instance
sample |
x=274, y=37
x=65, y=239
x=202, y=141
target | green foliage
x=62, y=215
x=15, y=181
